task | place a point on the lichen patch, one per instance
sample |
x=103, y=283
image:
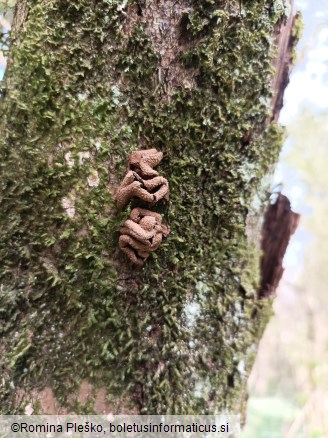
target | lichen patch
x=69, y=206
x=93, y=179
x=192, y=312
x=69, y=159
x=83, y=156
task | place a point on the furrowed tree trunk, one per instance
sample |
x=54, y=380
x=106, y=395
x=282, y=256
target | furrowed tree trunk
x=87, y=83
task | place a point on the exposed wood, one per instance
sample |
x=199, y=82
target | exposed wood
x=280, y=223
x=285, y=41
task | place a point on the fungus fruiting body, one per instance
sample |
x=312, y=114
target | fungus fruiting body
x=142, y=233
x=148, y=190
x=143, y=162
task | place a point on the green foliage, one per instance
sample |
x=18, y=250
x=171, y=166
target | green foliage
x=297, y=32
x=81, y=86
x=298, y=27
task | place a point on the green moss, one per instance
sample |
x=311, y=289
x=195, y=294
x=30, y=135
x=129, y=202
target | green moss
x=79, y=84
x=297, y=32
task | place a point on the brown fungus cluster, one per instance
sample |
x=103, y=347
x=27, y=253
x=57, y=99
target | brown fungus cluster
x=143, y=232
x=142, y=180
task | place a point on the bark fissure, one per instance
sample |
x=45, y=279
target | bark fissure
x=163, y=23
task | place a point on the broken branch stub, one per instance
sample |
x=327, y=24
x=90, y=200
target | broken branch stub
x=280, y=223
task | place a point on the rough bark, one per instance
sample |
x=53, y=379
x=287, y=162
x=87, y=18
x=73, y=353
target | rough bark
x=87, y=83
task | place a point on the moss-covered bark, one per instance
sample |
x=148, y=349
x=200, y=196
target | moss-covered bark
x=87, y=83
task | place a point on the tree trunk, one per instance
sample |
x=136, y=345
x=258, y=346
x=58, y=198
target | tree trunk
x=87, y=83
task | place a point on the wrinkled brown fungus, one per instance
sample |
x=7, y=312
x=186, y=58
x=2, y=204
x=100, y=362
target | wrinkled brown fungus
x=141, y=180
x=150, y=190
x=144, y=161
x=141, y=234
